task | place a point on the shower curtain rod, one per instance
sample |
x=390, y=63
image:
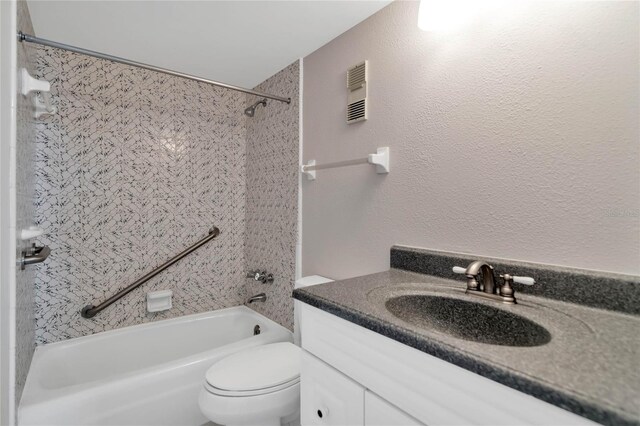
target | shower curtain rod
x=37, y=40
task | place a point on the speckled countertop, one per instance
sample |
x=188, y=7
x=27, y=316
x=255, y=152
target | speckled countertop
x=589, y=367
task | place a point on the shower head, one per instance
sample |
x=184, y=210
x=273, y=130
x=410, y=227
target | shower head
x=250, y=111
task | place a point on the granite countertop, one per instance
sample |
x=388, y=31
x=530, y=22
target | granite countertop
x=589, y=367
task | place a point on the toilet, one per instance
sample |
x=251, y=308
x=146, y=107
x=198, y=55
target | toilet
x=255, y=386
x=258, y=385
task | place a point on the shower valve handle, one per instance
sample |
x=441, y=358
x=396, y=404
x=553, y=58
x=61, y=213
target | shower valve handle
x=263, y=277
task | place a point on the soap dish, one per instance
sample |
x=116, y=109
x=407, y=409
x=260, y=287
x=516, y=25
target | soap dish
x=159, y=300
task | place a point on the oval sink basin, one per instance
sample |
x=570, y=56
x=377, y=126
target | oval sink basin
x=468, y=320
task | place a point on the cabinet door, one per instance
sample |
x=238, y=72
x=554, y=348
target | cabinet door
x=328, y=397
x=378, y=412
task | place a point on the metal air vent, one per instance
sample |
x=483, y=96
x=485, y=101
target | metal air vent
x=357, y=111
x=357, y=97
x=357, y=76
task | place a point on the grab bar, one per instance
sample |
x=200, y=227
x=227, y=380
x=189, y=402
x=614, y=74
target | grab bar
x=91, y=311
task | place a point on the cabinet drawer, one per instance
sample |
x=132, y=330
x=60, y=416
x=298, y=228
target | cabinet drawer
x=328, y=397
x=378, y=412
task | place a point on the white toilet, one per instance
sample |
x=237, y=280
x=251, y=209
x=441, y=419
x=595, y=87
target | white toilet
x=258, y=385
x=255, y=386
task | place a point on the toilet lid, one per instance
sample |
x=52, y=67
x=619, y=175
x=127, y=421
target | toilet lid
x=258, y=367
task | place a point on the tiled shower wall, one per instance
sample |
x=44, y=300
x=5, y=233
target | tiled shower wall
x=25, y=212
x=272, y=194
x=135, y=167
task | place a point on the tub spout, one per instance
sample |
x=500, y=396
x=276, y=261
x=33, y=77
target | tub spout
x=257, y=298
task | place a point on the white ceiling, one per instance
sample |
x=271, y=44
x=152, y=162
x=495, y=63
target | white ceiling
x=236, y=42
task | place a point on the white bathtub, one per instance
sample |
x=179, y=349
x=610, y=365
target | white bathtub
x=148, y=374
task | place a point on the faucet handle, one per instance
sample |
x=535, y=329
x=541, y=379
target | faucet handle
x=459, y=270
x=523, y=280
x=472, y=283
x=506, y=291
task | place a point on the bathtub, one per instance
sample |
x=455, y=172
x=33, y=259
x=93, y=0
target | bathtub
x=147, y=374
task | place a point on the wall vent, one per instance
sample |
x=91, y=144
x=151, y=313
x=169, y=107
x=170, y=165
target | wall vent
x=357, y=97
x=356, y=111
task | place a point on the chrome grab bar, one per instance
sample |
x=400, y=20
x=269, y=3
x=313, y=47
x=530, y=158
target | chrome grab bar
x=34, y=255
x=91, y=311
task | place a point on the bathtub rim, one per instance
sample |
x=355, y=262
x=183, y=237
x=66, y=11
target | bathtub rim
x=35, y=392
x=159, y=323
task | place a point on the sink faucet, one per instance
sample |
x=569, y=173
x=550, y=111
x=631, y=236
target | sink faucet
x=488, y=288
x=488, y=278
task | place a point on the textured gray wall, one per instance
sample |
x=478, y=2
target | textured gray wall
x=515, y=137
x=135, y=167
x=272, y=194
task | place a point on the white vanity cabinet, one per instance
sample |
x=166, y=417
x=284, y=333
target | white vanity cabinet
x=354, y=376
x=378, y=412
x=328, y=397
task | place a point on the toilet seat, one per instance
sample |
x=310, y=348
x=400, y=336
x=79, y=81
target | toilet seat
x=259, y=385
x=255, y=371
x=223, y=392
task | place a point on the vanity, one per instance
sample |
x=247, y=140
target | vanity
x=414, y=346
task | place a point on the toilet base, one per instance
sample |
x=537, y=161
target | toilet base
x=291, y=420
x=280, y=408
x=261, y=422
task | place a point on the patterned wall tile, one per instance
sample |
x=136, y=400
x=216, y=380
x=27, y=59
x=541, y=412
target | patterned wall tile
x=272, y=194
x=135, y=167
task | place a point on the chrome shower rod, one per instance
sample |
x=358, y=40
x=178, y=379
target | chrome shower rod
x=37, y=40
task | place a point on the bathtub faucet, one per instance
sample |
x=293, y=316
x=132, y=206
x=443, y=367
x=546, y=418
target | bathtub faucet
x=258, y=298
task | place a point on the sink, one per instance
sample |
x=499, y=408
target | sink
x=467, y=320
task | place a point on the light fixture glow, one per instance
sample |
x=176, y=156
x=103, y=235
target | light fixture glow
x=443, y=15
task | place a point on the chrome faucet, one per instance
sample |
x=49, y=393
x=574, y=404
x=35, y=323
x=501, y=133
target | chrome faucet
x=263, y=277
x=257, y=298
x=488, y=288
